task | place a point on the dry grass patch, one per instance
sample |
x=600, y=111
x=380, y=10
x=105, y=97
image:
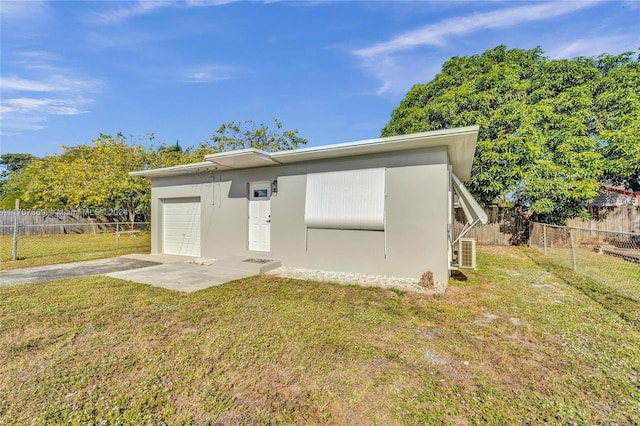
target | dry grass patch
x=510, y=344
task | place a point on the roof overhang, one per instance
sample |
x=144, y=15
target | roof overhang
x=183, y=169
x=460, y=144
x=242, y=159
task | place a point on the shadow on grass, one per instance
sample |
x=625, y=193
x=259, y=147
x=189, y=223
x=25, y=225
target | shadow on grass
x=458, y=276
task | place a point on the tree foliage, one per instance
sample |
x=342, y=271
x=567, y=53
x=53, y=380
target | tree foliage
x=248, y=134
x=550, y=130
x=93, y=178
x=618, y=103
x=13, y=164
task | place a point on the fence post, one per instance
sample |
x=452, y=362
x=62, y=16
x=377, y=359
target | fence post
x=573, y=250
x=544, y=237
x=14, y=252
x=117, y=236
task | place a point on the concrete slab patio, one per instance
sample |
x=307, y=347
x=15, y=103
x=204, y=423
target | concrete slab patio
x=188, y=274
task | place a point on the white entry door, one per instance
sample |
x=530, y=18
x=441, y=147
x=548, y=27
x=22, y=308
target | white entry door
x=181, y=226
x=260, y=216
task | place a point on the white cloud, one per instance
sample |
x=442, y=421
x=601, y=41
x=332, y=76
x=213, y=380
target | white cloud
x=36, y=62
x=30, y=114
x=383, y=60
x=436, y=34
x=21, y=124
x=209, y=73
x=54, y=83
x=38, y=89
x=398, y=73
x=597, y=45
x=16, y=83
x=128, y=10
x=22, y=10
x=197, y=3
x=46, y=106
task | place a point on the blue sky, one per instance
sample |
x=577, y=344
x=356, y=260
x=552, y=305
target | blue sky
x=333, y=70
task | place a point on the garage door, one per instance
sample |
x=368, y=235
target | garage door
x=181, y=226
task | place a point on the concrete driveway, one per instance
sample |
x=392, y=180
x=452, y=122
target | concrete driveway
x=68, y=270
x=172, y=272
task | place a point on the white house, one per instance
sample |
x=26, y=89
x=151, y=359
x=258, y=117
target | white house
x=381, y=206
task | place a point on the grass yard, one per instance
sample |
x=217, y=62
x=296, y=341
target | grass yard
x=39, y=250
x=516, y=342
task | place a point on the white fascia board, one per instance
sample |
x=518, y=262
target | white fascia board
x=472, y=210
x=203, y=166
x=459, y=142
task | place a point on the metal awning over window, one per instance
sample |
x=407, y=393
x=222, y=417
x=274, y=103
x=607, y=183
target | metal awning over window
x=473, y=213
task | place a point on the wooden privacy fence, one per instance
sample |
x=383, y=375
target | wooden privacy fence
x=508, y=226
x=619, y=218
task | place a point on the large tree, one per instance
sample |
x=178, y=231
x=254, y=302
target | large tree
x=550, y=130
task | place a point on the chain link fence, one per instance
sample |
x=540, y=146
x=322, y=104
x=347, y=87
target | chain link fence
x=612, y=258
x=42, y=244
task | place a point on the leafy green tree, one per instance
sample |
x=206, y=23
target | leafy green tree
x=93, y=178
x=14, y=162
x=247, y=134
x=550, y=130
x=170, y=155
x=13, y=165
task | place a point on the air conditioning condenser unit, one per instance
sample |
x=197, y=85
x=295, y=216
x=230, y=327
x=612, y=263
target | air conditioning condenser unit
x=467, y=253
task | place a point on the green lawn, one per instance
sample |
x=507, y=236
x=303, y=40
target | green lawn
x=515, y=342
x=38, y=250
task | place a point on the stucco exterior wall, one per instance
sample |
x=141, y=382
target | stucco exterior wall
x=417, y=214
